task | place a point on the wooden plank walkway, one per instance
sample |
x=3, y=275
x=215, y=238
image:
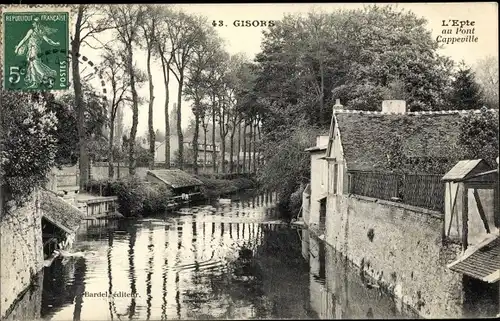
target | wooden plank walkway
x=97, y=206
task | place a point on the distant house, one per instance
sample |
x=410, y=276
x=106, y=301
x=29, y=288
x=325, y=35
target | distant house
x=188, y=145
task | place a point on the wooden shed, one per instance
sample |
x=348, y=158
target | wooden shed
x=471, y=202
x=472, y=218
x=60, y=220
x=179, y=181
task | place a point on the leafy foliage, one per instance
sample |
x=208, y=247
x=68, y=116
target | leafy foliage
x=135, y=197
x=214, y=188
x=360, y=56
x=28, y=144
x=478, y=139
x=479, y=136
x=95, y=119
x=466, y=92
x=356, y=56
x=486, y=72
x=288, y=164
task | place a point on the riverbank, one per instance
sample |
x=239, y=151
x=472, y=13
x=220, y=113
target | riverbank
x=138, y=197
x=214, y=188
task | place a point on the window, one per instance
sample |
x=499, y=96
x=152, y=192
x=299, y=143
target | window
x=335, y=177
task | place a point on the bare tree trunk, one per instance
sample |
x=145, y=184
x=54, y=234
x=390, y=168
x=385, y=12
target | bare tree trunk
x=321, y=102
x=195, y=137
x=223, y=155
x=204, y=147
x=150, y=112
x=179, y=127
x=166, y=81
x=222, y=127
x=250, y=148
x=110, y=148
x=214, y=156
x=135, y=112
x=239, y=148
x=231, y=151
x=260, y=151
x=244, y=146
x=83, y=159
x=254, y=147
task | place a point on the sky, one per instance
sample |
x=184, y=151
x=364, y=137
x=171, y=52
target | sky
x=247, y=39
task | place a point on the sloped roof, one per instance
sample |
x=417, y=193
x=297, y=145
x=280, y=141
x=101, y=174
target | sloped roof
x=481, y=262
x=175, y=178
x=367, y=137
x=60, y=213
x=463, y=168
x=316, y=148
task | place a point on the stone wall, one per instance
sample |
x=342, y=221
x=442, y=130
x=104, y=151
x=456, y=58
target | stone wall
x=400, y=246
x=29, y=305
x=21, y=256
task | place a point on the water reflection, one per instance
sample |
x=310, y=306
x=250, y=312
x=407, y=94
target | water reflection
x=238, y=262
x=339, y=292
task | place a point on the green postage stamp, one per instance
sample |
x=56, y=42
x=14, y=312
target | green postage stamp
x=35, y=50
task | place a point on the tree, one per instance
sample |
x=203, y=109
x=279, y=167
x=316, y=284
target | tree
x=114, y=68
x=94, y=121
x=287, y=164
x=173, y=120
x=360, y=56
x=196, y=89
x=27, y=144
x=151, y=37
x=466, y=92
x=479, y=136
x=166, y=54
x=88, y=25
x=486, y=72
x=126, y=21
x=185, y=34
x=215, y=79
x=205, y=117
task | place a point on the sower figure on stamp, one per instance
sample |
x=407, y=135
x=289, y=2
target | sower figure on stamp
x=36, y=72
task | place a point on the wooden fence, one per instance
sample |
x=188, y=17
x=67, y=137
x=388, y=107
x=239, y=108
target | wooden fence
x=422, y=190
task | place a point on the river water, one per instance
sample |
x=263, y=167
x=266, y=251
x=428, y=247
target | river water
x=234, y=261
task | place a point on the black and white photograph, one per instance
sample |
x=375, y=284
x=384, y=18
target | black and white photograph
x=218, y=161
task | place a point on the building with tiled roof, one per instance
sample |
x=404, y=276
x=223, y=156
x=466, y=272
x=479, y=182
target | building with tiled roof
x=364, y=141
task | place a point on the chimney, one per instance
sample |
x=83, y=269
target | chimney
x=322, y=140
x=394, y=106
x=337, y=105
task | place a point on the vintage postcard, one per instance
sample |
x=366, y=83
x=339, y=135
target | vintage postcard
x=249, y=161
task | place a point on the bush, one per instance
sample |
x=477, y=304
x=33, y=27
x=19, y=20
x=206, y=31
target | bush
x=288, y=165
x=28, y=144
x=214, y=188
x=135, y=197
